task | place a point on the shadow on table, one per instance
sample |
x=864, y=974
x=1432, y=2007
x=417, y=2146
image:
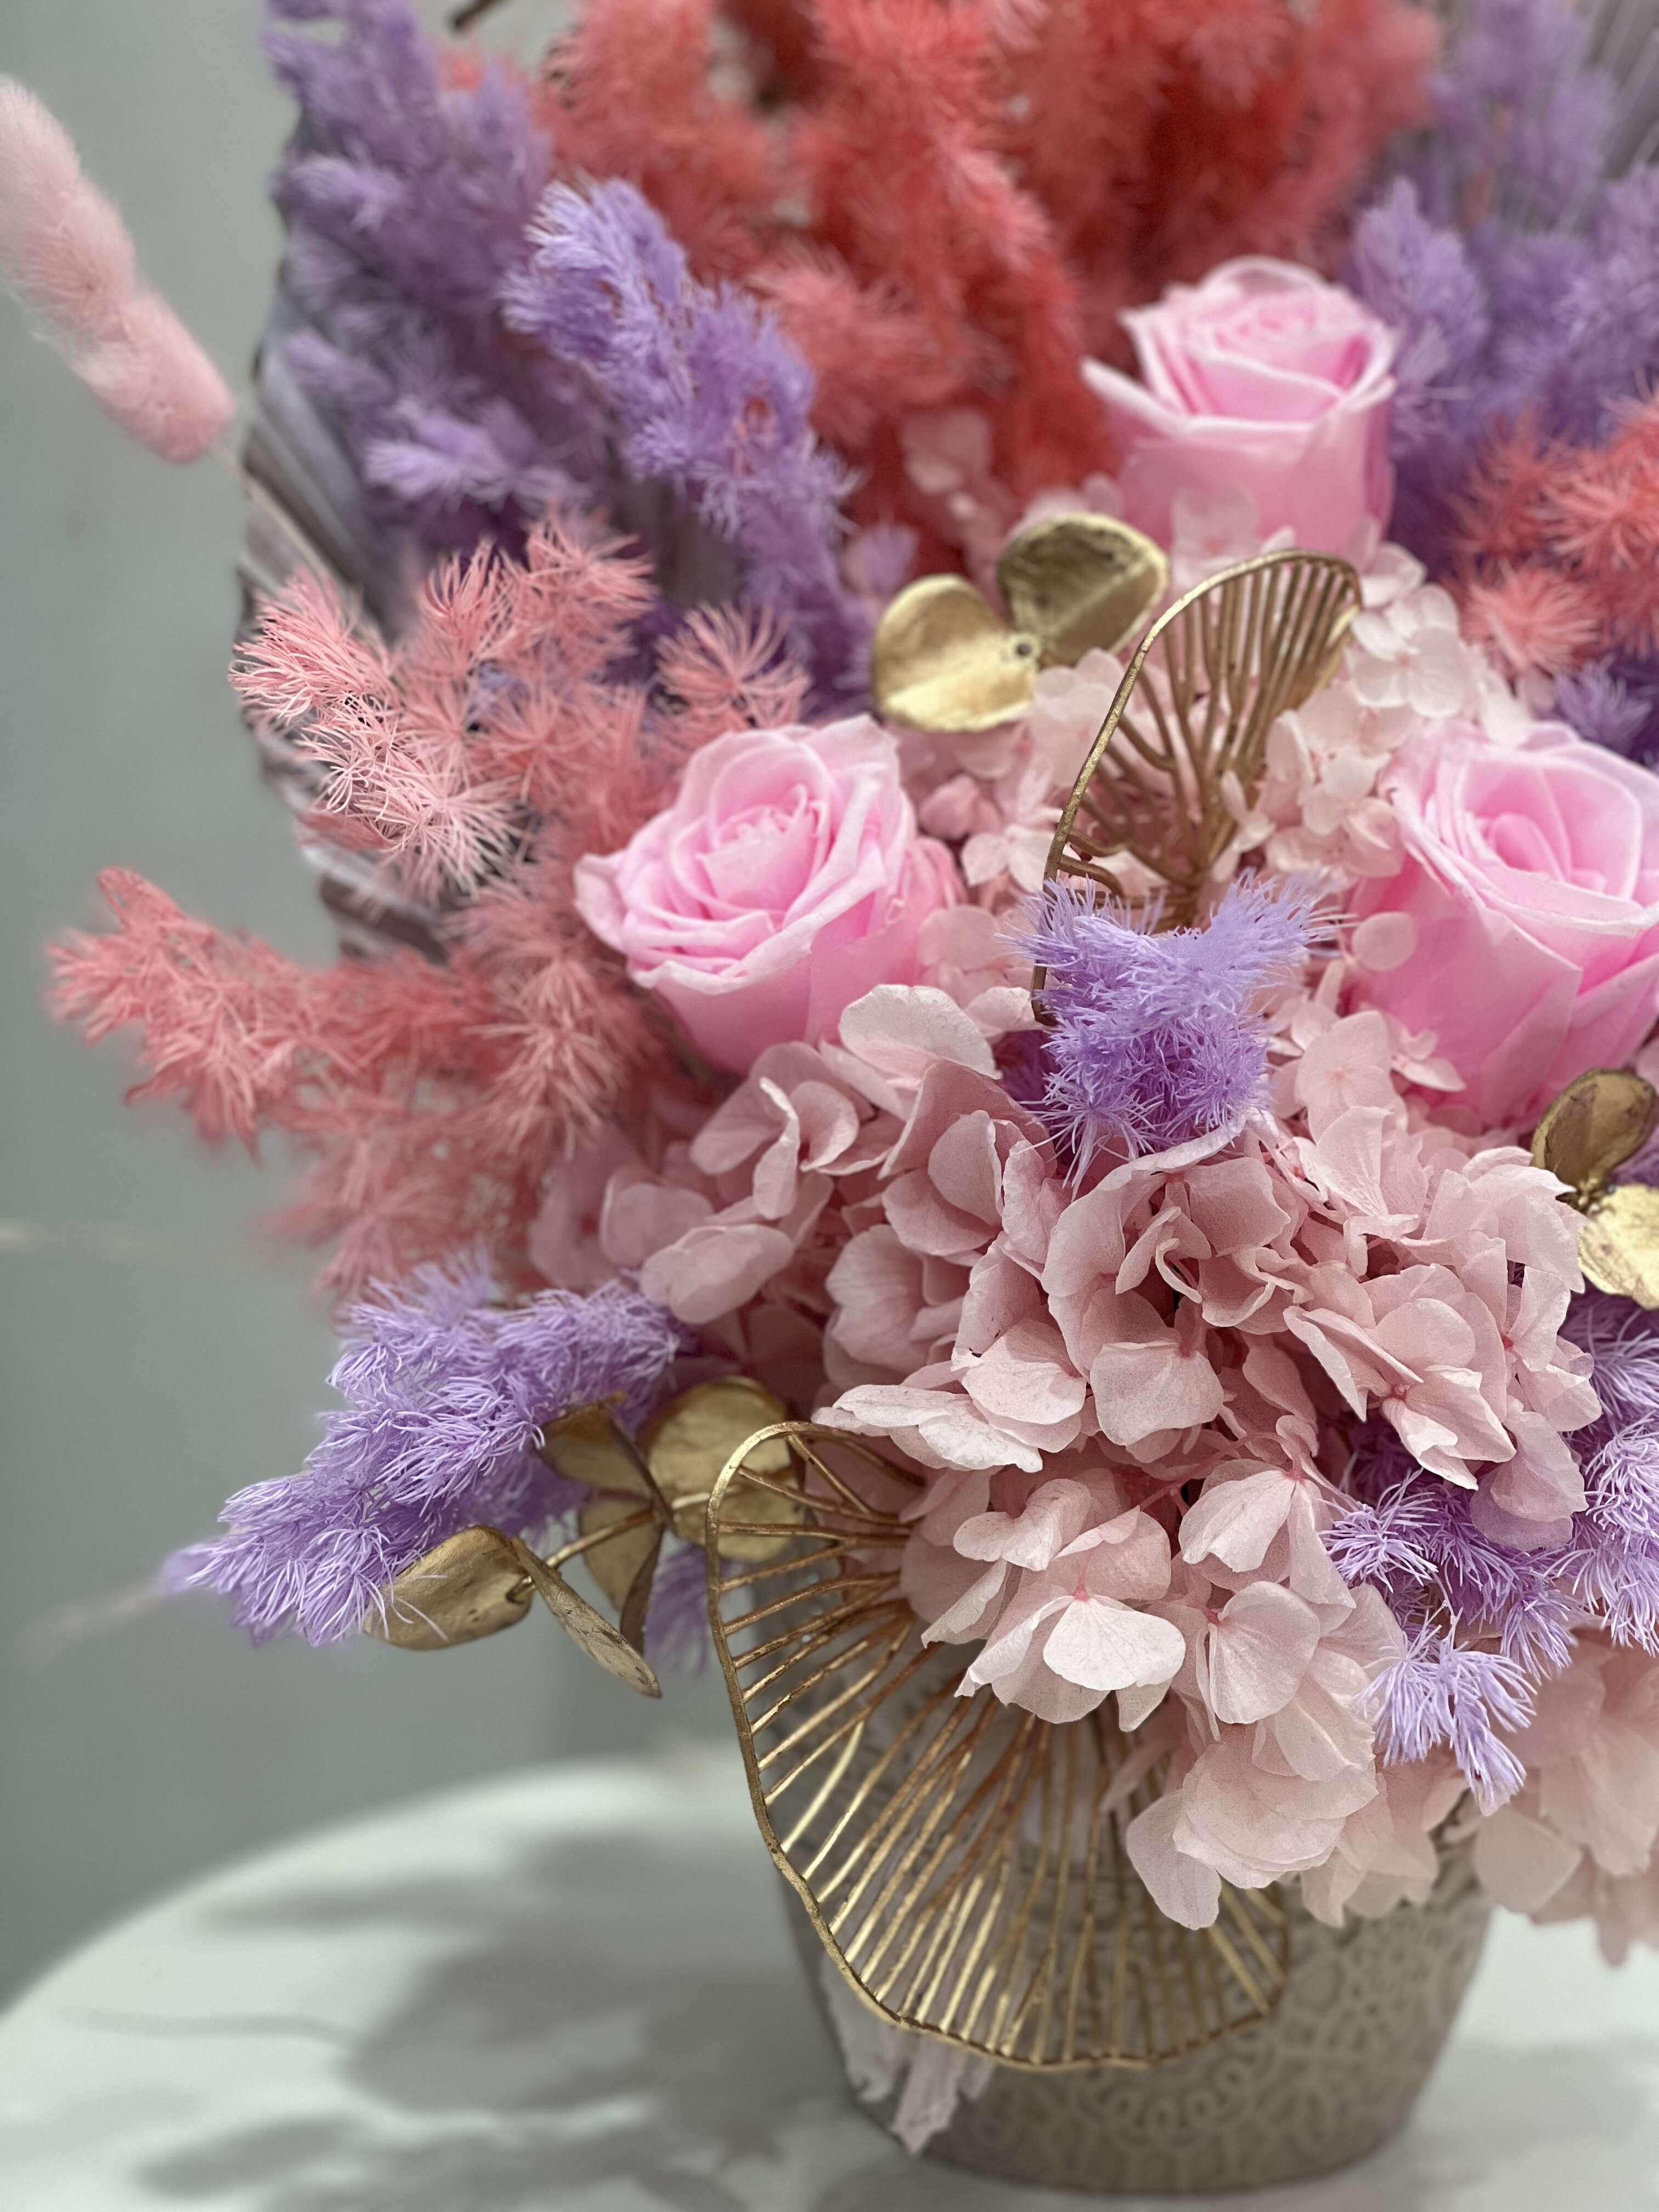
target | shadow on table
x=570, y=2040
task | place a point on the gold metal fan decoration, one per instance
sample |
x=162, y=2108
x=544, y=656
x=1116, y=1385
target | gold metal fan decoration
x=962, y=1861
x=481, y=1581
x=944, y=659
x=1181, y=753
x=1598, y=1123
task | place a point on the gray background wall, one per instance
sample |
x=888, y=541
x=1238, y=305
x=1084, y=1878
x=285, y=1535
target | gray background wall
x=155, y=1351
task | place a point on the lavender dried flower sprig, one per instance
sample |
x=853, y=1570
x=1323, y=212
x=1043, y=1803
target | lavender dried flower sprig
x=1524, y=284
x=1444, y=1692
x=487, y=346
x=707, y=397
x=408, y=202
x=1155, y=1036
x=448, y=1391
x=1456, y=1590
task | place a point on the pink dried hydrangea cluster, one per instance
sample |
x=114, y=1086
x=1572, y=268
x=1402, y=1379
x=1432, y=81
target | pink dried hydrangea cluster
x=1144, y=1387
x=1128, y=1388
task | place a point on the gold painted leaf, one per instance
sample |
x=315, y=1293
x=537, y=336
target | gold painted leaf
x=691, y=1441
x=588, y=1627
x=587, y=1446
x=1595, y=1125
x=962, y=1861
x=615, y=1562
x=470, y=1586
x=1620, y=1247
x=1183, y=748
x=943, y=659
x=1080, y=583
x=481, y=1581
x=637, y=1605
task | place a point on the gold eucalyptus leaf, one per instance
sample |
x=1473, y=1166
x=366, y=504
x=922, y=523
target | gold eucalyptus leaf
x=637, y=1604
x=1620, y=1251
x=615, y=1562
x=587, y=1447
x=588, y=1627
x=470, y=1586
x=691, y=1441
x=1597, y=1123
x=1080, y=583
x=943, y=659
x=1185, y=742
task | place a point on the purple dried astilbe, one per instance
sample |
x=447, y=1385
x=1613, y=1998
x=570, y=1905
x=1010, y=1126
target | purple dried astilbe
x=1521, y=121
x=448, y=1391
x=408, y=203
x=707, y=396
x=1444, y=1692
x=1611, y=706
x=1412, y=1535
x=426, y=248
x=1157, y=1036
x=1524, y=285
x=1576, y=366
x=677, y=1640
x=1457, y=1591
x=1417, y=277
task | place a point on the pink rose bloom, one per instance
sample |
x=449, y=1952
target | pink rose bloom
x=1530, y=903
x=785, y=880
x=1263, y=380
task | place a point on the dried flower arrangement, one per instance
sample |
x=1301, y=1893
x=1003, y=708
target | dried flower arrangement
x=978, y=685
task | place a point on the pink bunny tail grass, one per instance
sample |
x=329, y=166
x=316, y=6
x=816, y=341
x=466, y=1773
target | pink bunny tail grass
x=65, y=251
x=156, y=382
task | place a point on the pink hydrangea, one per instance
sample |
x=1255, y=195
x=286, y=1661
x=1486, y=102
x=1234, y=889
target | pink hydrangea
x=1130, y=1391
x=1131, y=1385
x=1578, y=1840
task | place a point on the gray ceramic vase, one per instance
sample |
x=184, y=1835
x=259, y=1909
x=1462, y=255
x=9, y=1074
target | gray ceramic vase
x=1329, y=2078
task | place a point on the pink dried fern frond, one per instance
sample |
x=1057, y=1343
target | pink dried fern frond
x=226, y=1020
x=433, y=1099
x=497, y=725
x=393, y=772
x=729, y=669
x=1558, y=546
x=66, y=253
x=1534, y=617
x=308, y=654
x=438, y=753
x=476, y=758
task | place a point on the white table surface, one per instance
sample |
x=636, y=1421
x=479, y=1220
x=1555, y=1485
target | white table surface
x=574, y=1989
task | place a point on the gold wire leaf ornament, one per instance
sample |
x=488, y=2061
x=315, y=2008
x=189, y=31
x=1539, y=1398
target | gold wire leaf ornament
x=944, y=659
x=1183, y=748
x=1598, y=1123
x=673, y=1466
x=962, y=1861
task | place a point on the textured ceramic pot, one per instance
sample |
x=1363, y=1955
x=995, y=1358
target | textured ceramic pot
x=1330, y=2076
